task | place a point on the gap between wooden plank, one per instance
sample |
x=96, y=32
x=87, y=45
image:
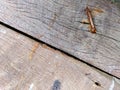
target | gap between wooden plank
x=27, y=35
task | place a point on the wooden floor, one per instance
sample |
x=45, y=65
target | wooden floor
x=47, y=45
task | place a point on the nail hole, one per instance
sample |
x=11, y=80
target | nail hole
x=98, y=84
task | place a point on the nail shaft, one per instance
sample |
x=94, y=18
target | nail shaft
x=90, y=19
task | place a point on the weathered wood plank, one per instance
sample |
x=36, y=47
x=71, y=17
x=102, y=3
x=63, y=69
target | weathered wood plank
x=57, y=22
x=28, y=65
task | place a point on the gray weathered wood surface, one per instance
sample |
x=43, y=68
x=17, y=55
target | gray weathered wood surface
x=29, y=65
x=57, y=22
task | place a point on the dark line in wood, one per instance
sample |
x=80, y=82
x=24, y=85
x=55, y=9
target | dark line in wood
x=70, y=55
x=83, y=22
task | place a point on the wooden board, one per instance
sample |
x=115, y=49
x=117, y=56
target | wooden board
x=29, y=65
x=59, y=23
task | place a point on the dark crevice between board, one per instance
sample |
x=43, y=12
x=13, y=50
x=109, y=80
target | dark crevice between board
x=27, y=35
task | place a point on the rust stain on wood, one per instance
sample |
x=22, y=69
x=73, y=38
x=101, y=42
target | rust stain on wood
x=85, y=21
x=90, y=19
x=47, y=47
x=36, y=45
x=97, y=11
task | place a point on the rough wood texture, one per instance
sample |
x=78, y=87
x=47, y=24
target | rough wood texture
x=59, y=23
x=28, y=65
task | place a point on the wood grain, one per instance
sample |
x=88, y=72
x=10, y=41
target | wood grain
x=48, y=69
x=58, y=23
